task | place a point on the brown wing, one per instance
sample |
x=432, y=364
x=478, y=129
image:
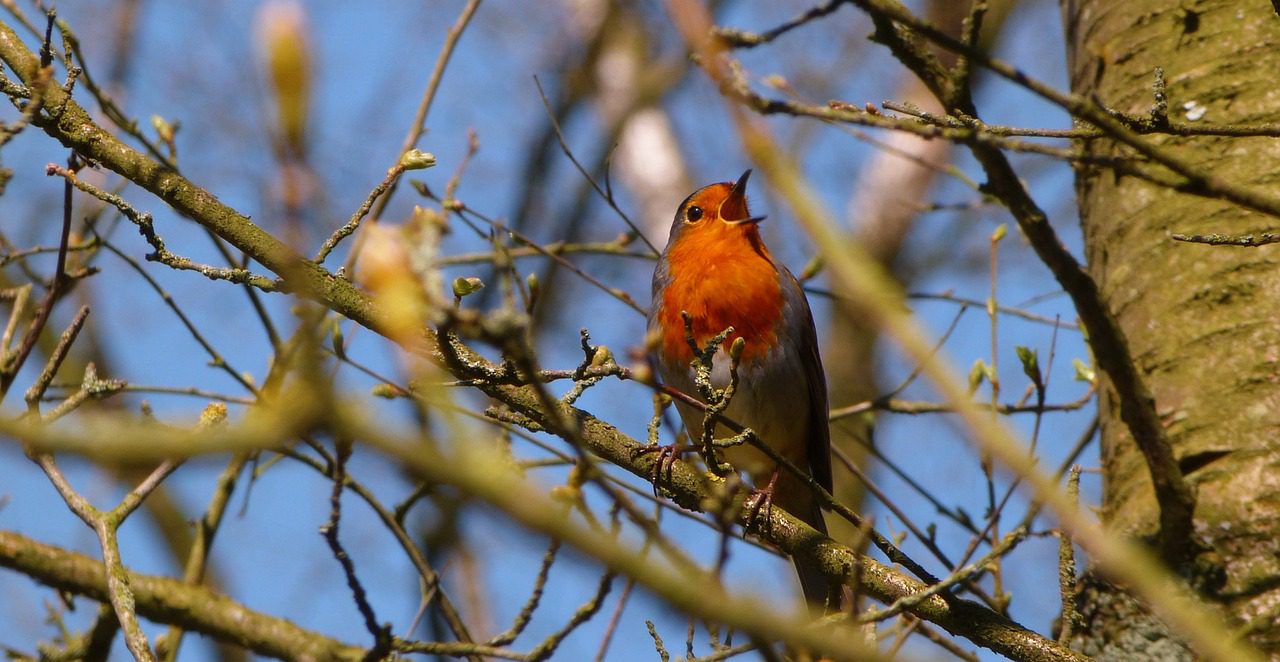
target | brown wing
x=818, y=448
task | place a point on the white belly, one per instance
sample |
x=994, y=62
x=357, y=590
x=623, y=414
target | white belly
x=772, y=399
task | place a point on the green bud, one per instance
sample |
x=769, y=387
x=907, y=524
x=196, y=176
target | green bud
x=602, y=357
x=1030, y=364
x=976, y=375
x=163, y=128
x=386, y=391
x=416, y=159
x=339, y=344
x=535, y=289
x=465, y=286
x=1084, y=372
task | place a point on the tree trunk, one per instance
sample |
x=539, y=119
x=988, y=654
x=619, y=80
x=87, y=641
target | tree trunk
x=1201, y=320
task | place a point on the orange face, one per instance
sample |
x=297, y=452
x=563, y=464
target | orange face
x=715, y=213
x=719, y=272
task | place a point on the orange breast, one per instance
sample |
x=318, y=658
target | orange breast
x=722, y=278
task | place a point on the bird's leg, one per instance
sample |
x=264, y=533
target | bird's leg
x=761, y=501
x=667, y=453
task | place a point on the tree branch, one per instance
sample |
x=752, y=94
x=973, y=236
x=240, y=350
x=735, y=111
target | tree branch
x=1175, y=539
x=166, y=600
x=69, y=123
x=686, y=486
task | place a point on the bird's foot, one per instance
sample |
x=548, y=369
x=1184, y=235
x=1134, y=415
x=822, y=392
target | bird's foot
x=760, y=501
x=667, y=454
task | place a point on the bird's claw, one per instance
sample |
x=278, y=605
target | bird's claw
x=667, y=454
x=761, y=501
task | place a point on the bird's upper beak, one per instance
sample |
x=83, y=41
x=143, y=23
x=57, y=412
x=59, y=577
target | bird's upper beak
x=734, y=208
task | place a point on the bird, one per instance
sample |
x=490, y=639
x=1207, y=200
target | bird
x=717, y=270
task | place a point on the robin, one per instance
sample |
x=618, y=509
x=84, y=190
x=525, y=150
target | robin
x=717, y=270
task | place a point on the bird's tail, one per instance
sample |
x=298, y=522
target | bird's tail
x=823, y=597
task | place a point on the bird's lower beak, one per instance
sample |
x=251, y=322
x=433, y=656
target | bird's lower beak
x=734, y=208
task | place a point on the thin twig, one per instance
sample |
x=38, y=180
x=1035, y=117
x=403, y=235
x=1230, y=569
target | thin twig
x=381, y=633
x=207, y=527
x=535, y=597
x=617, y=293
x=614, y=619
x=105, y=526
x=419, y=125
x=216, y=359
x=914, y=407
x=146, y=227
x=743, y=39
x=605, y=195
x=964, y=574
x=393, y=175
x=37, y=389
x=11, y=368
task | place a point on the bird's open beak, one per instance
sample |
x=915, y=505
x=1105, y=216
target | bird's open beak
x=734, y=208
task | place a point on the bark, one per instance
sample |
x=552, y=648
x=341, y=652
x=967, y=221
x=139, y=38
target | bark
x=1199, y=319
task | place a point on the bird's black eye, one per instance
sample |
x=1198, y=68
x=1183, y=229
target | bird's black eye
x=694, y=213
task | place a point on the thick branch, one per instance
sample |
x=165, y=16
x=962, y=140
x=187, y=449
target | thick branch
x=686, y=487
x=165, y=600
x=681, y=481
